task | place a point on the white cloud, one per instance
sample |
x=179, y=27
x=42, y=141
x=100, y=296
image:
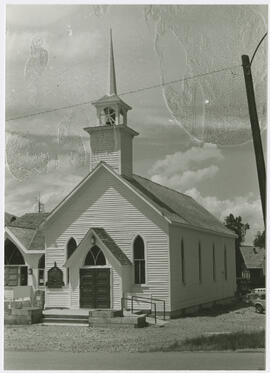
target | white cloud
x=187, y=178
x=182, y=170
x=248, y=207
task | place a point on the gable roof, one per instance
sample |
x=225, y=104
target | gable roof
x=178, y=207
x=175, y=207
x=29, y=220
x=106, y=240
x=111, y=245
x=254, y=257
x=25, y=229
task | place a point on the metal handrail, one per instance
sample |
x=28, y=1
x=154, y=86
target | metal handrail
x=155, y=299
x=144, y=301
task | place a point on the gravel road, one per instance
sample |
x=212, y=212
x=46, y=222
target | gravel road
x=84, y=339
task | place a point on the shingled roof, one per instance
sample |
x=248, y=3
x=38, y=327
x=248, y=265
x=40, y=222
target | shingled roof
x=254, y=257
x=25, y=229
x=29, y=220
x=111, y=245
x=176, y=206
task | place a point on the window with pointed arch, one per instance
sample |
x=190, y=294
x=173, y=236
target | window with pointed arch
x=15, y=267
x=71, y=247
x=139, y=260
x=41, y=270
x=95, y=257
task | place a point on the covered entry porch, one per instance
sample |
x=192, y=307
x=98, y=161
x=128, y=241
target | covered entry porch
x=98, y=273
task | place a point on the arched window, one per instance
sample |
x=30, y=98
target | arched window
x=95, y=257
x=71, y=247
x=139, y=260
x=13, y=255
x=183, y=261
x=15, y=268
x=41, y=270
x=200, y=262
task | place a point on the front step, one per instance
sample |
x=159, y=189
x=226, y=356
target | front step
x=135, y=321
x=97, y=318
x=65, y=316
x=57, y=319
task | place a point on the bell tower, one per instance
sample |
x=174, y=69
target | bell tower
x=111, y=139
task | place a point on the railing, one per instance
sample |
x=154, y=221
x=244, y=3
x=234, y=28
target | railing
x=152, y=299
x=144, y=300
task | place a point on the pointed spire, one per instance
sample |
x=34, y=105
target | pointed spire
x=112, y=80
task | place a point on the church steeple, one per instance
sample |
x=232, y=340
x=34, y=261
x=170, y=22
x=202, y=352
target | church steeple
x=112, y=79
x=111, y=138
x=111, y=110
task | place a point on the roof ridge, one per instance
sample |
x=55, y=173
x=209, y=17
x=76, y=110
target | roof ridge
x=186, y=196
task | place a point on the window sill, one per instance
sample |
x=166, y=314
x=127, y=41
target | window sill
x=140, y=286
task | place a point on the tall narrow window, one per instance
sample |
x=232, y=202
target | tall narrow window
x=214, y=262
x=183, y=261
x=225, y=263
x=41, y=267
x=15, y=268
x=139, y=260
x=200, y=262
x=71, y=247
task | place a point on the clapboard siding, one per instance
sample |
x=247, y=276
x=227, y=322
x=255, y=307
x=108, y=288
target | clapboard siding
x=109, y=204
x=57, y=298
x=116, y=291
x=194, y=292
x=113, y=159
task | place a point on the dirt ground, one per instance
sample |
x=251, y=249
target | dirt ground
x=83, y=339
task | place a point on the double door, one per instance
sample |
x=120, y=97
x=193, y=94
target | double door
x=95, y=288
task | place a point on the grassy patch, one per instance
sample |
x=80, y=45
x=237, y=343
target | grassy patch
x=232, y=341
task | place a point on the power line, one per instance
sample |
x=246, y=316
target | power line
x=257, y=48
x=125, y=93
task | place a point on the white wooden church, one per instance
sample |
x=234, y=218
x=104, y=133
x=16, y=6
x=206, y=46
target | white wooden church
x=118, y=234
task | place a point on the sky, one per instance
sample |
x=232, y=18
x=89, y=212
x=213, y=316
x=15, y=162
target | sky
x=194, y=126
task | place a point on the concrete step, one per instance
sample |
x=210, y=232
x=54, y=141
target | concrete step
x=65, y=320
x=135, y=321
x=159, y=323
x=65, y=316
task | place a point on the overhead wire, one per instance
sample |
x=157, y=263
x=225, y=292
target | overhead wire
x=124, y=93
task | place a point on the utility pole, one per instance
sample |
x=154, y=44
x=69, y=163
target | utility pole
x=257, y=142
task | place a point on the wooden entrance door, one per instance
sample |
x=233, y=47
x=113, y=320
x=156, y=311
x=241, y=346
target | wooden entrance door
x=95, y=288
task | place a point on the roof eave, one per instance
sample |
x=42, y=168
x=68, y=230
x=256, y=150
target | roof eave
x=88, y=177
x=18, y=243
x=201, y=229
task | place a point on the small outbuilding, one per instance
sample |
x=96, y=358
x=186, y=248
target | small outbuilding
x=253, y=265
